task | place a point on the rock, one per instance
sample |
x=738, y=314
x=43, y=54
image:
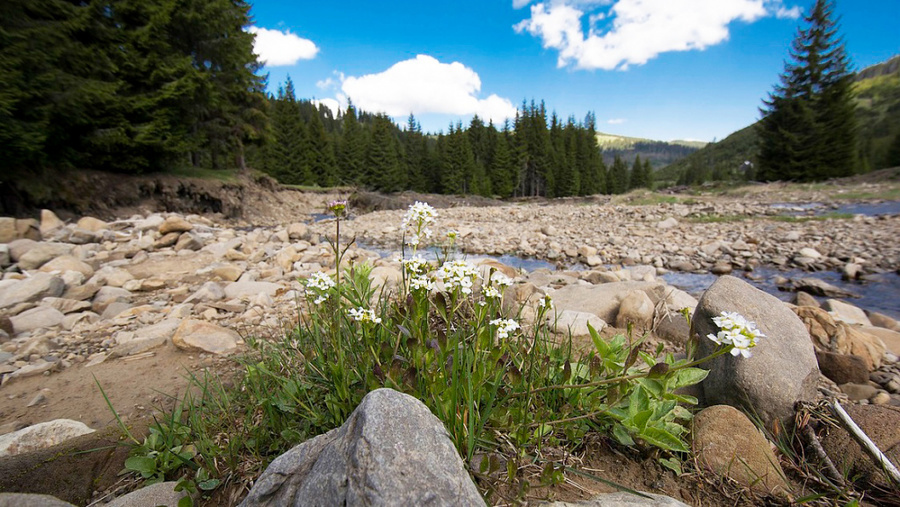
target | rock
x=199, y=335
x=890, y=339
x=155, y=495
x=50, y=223
x=8, y=230
x=20, y=247
x=70, y=321
x=65, y=263
x=31, y=500
x=385, y=277
x=602, y=300
x=783, y=368
x=239, y=290
x=842, y=368
x=82, y=292
x=166, y=240
x=882, y=320
x=174, y=224
x=41, y=436
x=28, y=228
x=227, y=272
x=726, y=442
x=498, y=266
x=210, y=291
x=576, y=323
x=114, y=277
x=107, y=296
x=812, y=253
x=682, y=266
x=857, y=392
x=149, y=223
x=36, y=318
x=5, y=260
x=297, y=231
x=79, y=236
x=92, y=224
x=42, y=253
x=845, y=312
x=115, y=308
x=391, y=452
x=851, y=271
x=188, y=241
x=636, y=309
x=32, y=289
x=667, y=223
x=622, y=499
x=882, y=424
x=721, y=268
x=820, y=288
x=673, y=328
x=832, y=336
x=805, y=299
x=792, y=236
x=30, y=370
x=880, y=398
x=6, y=325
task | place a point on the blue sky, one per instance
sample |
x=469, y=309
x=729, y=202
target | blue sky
x=660, y=69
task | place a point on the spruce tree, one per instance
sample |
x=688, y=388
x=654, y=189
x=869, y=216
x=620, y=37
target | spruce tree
x=618, y=176
x=352, y=151
x=808, y=129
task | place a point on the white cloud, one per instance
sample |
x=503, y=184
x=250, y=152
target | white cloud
x=518, y=4
x=616, y=121
x=277, y=48
x=331, y=82
x=425, y=85
x=638, y=30
x=784, y=13
x=332, y=104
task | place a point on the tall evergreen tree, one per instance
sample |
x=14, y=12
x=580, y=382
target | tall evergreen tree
x=618, y=176
x=383, y=169
x=808, y=130
x=352, y=151
x=415, y=149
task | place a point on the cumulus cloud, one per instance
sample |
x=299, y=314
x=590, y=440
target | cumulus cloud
x=616, y=121
x=277, y=48
x=635, y=31
x=783, y=12
x=425, y=85
x=331, y=104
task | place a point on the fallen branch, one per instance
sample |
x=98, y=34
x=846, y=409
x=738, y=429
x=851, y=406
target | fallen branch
x=889, y=469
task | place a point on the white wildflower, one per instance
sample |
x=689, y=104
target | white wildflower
x=545, y=302
x=318, y=284
x=500, y=280
x=735, y=330
x=416, y=221
x=458, y=274
x=421, y=282
x=364, y=315
x=505, y=327
x=417, y=265
x=491, y=293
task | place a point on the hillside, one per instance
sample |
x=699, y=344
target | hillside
x=660, y=153
x=878, y=110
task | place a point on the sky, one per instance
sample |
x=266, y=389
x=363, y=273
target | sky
x=657, y=69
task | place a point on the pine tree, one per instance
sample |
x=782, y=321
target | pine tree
x=321, y=153
x=352, y=151
x=808, y=130
x=618, y=176
x=383, y=170
x=893, y=154
x=415, y=150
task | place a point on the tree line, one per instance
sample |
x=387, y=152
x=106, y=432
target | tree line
x=127, y=85
x=530, y=155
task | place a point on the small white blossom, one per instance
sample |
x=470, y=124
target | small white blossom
x=319, y=281
x=417, y=265
x=491, y=293
x=416, y=221
x=364, y=315
x=500, y=280
x=735, y=330
x=421, y=282
x=504, y=327
x=545, y=302
x=458, y=274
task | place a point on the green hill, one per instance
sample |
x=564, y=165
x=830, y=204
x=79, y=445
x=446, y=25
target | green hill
x=659, y=153
x=878, y=111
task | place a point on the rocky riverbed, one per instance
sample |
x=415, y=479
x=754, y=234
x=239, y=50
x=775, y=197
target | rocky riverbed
x=135, y=301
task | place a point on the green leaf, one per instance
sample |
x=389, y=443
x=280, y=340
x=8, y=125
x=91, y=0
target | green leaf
x=209, y=485
x=673, y=464
x=186, y=501
x=622, y=436
x=653, y=386
x=142, y=464
x=663, y=439
x=640, y=419
x=688, y=377
x=543, y=430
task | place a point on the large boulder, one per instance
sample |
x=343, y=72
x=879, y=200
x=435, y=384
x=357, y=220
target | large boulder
x=42, y=253
x=36, y=318
x=726, y=442
x=194, y=335
x=40, y=436
x=248, y=289
x=392, y=451
x=31, y=500
x=782, y=369
x=881, y=424
x=636, y=309
x=8, y=230
x=156, y=495
x=575, y=323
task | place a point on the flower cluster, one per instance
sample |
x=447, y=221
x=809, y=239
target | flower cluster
x=504, y=327
x=364, y=315
x=735, y=330
x=421, y=282
x=458, y=274
x=319, y=284
x=338, y=208
x=545, y=302
x=417, y=265
x=418, y=217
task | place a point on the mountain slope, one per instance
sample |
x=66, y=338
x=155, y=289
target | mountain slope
x=659, y=153
x=878, y=111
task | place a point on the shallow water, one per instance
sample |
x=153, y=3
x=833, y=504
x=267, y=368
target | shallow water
x=879, y=293
x=870, y=209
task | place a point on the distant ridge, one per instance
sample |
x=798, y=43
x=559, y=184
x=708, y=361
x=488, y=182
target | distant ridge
x=660, y=153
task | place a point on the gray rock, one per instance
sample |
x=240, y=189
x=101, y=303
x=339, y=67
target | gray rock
x=667, y=223
x=602, y=300
x=199, y=335
x=41, y=436
x=391, y=452
x=857, y=392
x=783, y=368
x=66, y=306
x=842, y=368
x=20, y=247
x=160, y=494
x=50, y=222
x=5, y=260
x=42, y=253
x=36, y=318
x=821, y=288
x=623, y=499
x=174, y=224
x=31, y=289
x=636, y=309
x=31, y=500
x=188, y=241
x=237, y=290
x=210, y=291
x=846, y=312
x=65, y=263
x=576, y=323
x=7, y=229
